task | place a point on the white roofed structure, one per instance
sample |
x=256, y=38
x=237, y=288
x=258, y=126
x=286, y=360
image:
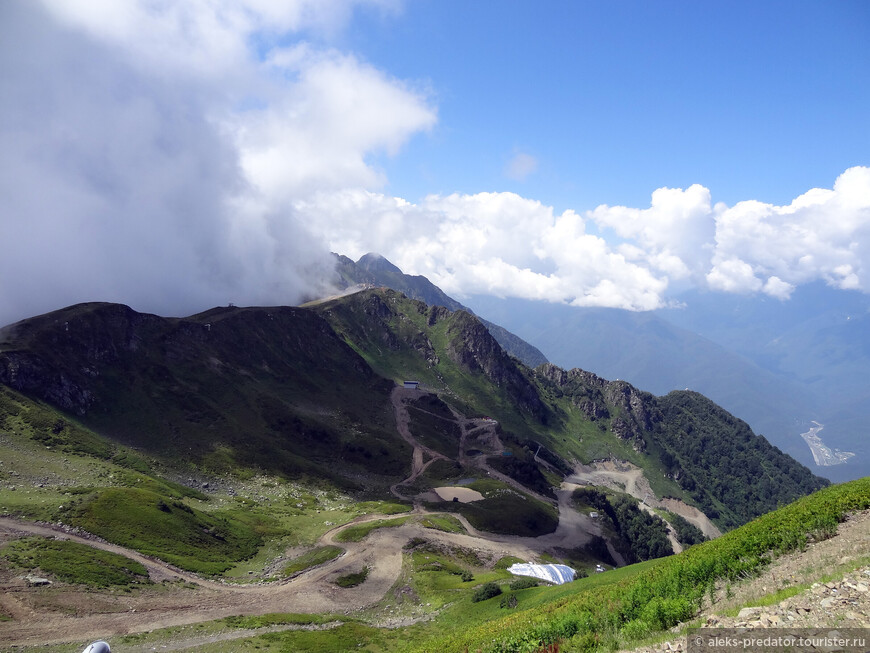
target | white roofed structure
x=556, y=574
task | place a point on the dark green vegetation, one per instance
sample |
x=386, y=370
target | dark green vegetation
x=485, y=591
x=171, y=530
x=687, y=534
x=271, y=389
x=434, y=426
x=732, y=474
x=72, y=562
x=302, y=393
x=524, y=583
x=610, y=610
x=316, y=556
x=637, y=534
x=521, y=467
x=721, y=466
x=353, y=579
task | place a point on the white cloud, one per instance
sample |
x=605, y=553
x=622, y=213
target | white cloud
x=317, y=134
x=776, y=287
x=823, y=234
x=672, y=236
x=508, y=245
x=176, y=155
x=153, y=152
x=734, y=276
x=498, y=243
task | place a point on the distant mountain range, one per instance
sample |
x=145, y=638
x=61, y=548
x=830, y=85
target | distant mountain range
x=778, y=365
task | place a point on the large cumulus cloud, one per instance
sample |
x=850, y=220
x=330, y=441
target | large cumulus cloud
x=617, y=256
x=153, y=151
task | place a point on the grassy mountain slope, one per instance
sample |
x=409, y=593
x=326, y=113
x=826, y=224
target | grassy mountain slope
x=374, y=269
x=259, y=388
x=574, y=414
x=651, y=353
x=612, y=610
x=304, y=392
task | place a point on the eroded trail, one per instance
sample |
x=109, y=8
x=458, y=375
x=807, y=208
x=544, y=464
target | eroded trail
x=625, y=477
x=64, y=613
x=418, y=458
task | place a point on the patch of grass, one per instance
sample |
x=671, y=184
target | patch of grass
x=446, y=523
x=651, y=597
x=358, y=532
x=343, y=638
x=73, y=562
x=166, y=528
x=274, y=619
x=311, y=559
x=353, y=579
x=383, y=507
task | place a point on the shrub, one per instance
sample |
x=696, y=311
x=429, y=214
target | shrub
x=524, y=583
x=508, y=601
x=352, y=580
x=486, y=591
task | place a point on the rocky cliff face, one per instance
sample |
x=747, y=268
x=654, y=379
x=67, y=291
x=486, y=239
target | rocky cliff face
x=633, y=414
x=473, y=347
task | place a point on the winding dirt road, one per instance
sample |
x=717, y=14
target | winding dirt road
x=61, y=613
x=66, y=614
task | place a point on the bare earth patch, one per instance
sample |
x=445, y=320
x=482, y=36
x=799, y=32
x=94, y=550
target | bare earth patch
x=461, y=494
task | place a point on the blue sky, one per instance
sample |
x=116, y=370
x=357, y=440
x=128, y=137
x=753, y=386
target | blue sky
x=753, y=100
x=179, y=155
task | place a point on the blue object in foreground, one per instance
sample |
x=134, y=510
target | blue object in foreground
x=556, y=574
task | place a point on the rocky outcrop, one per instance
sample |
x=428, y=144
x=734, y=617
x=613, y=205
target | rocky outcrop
x=633, y=414
x=473, y=347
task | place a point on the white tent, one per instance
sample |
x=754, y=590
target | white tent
x=556, y=574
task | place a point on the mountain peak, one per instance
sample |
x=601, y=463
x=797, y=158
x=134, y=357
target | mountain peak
x=374, y=262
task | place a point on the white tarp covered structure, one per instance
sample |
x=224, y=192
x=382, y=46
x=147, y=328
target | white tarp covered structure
x=556, y=574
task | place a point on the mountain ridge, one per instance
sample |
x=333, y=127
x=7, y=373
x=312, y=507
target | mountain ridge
x=374, y=269
x=272, y=374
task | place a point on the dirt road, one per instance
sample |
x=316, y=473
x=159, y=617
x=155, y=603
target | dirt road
x=624, y=477
x=64, y=613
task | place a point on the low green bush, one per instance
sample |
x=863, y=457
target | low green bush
x=354, y=579
x=486, y=591
x=73, y=562
x=524, y=582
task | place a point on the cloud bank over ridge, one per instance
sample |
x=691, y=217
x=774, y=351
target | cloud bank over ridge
x=616, y=256
x=153, y=151
x=175, y=156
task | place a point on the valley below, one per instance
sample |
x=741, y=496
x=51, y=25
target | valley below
x=823, y=455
